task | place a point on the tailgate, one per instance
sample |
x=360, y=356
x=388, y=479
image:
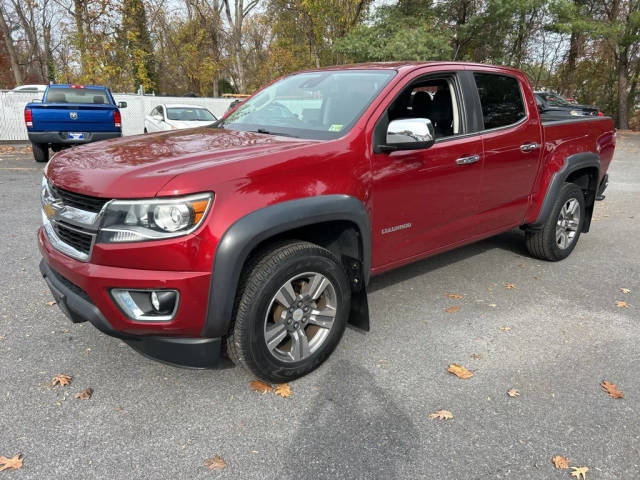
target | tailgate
x=73, y=118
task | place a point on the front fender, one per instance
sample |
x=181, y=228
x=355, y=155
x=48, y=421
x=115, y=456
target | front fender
x=249, y=231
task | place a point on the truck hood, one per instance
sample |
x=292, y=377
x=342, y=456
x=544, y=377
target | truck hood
x=139, y=166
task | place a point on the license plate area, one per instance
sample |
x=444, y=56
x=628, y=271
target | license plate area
x=76, y=136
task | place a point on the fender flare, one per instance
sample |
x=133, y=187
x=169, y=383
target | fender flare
x=247, y=232
x=572, y=163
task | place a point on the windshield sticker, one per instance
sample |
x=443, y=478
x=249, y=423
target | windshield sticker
x=335, y=127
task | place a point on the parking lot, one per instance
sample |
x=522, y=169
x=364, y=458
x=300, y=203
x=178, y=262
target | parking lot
x=555, y=336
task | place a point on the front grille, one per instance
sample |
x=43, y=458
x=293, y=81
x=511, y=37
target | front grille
x=78, y=240
x=77, y=200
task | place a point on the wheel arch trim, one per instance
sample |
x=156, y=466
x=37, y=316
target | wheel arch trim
x=573, y=163
x=246, y=233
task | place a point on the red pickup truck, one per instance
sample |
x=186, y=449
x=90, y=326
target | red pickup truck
x=257, y=236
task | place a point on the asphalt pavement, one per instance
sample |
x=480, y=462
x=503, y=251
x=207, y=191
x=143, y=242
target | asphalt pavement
x=365, y=413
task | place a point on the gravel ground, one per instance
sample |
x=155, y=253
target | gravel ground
x=365, y=412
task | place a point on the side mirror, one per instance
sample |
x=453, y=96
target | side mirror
x=410, y=134
x=122, y=104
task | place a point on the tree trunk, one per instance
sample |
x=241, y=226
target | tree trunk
x=8, y=41
x=78, y=14
x=623, y=105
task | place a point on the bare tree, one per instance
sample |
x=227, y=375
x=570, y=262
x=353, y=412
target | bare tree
x=236, y=20
x=8, y=41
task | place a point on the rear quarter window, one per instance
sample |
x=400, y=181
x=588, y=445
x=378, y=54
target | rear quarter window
x=500, y=99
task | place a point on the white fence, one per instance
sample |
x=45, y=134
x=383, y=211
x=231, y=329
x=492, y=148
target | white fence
x=12, y=104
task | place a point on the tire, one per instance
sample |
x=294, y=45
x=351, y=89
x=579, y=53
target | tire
x=545, y=243
x=145, y=130
x=40, y=152
x=260, y=311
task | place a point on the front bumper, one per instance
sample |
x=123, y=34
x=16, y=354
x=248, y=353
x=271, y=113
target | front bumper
x=82, y=292
x=62, y=138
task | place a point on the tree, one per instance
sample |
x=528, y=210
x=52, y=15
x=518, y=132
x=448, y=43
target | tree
x=136, y=47
x=10, y=48
x=406, y=31
x=236, y=20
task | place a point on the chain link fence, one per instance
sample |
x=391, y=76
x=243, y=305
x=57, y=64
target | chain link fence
x=12, y=128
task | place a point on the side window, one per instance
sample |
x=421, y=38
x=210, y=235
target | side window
x=432, y=98
x=154, y=112
x=500, y=99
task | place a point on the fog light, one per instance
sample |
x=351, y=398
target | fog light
x=147, y=305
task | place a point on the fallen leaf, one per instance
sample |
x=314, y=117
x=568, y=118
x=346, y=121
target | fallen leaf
x=453, y=309
x=13, y=463
x=560, y=462
x=611, y=389
x=215, y=463
x=476, y=356
x=620, y=304
x=580, y=472
x=441, y=415
x=505, y=328
x=509, y=286
x=51, y=303
x=455, y=296
x=61, y=379
x=625, y=290
x=513, y=393
x=284, y=390
x=84, y=394
x=522, y=265
x=459, y=371
x=260, y=386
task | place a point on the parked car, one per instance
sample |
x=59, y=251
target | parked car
x=551, y=104
x=176, y=117
x=258, y=236
x=37, y=90
x=71, y=115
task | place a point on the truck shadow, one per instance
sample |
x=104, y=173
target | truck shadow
x=352, y=429
x=512, y=241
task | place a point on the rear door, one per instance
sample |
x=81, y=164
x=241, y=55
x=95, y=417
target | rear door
x=512, y=147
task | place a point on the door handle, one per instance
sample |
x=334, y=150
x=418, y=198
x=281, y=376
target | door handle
x=468, y=160
x=528, y=147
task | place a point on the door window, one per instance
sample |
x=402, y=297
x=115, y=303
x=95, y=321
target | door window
x=500, y=99
x=432, y=98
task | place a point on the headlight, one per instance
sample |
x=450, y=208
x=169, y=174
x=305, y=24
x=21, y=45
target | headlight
x=154, y=219
x=575, y=113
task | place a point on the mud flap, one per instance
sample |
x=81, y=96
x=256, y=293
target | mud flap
x=359, y=315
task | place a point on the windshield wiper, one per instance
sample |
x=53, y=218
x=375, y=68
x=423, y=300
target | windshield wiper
x=268, y=132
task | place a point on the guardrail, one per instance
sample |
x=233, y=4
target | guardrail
x=12, y=104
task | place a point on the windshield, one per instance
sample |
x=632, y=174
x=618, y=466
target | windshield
x=187, y=114
x=556, y=100
x=316, y=105
x=77, y=95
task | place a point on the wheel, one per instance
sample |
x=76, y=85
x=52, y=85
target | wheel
x=291, y=310
x=40, y=152
x=561, y=231
x=145, y=130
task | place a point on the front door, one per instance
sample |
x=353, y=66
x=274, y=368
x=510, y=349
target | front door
x=426, y=199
